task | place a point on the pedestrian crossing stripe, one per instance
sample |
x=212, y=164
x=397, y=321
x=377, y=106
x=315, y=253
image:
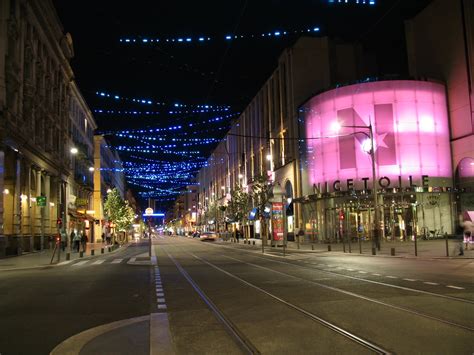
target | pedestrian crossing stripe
x=98, y=262
x=81, y=263
x=117, y=261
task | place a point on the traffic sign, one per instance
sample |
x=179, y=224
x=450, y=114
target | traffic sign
x=41, y=201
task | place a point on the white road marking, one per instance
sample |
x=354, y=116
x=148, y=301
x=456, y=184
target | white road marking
x=160, y=294
x=362, y=272
x=81, y=263
x=392, y=277
x=162, y=306
x=376, y=274
x=350, y=269
x=410, y=280
x=98, y=262
x=431, y=283
x=117, y=261
x=133, y=259
x=160, y=300
x=456, y=287
x=65, y=262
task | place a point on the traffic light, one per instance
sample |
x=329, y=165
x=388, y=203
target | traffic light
x=341, y=215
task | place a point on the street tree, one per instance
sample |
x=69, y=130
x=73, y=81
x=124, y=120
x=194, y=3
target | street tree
x=261, y=193
x=238, y=207
x=118, y=211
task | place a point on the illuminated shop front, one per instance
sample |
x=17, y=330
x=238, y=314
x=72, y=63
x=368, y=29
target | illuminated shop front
x=413, y=168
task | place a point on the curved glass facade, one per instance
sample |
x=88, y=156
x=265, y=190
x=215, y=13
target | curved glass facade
x=413, y=167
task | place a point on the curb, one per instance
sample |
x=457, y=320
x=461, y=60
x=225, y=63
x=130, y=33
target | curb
x=340, y=253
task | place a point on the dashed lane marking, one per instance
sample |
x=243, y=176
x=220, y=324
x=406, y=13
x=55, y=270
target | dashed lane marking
x=412, y=280
x=431, y=283
x=456, y=287
x=392, y=277
x=117, y=261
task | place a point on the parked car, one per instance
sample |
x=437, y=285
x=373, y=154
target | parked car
x=208, y=236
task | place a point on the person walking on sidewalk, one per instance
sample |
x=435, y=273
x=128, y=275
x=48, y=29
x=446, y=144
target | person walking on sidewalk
x=76, y=240
x=467, y=234
x=63, y=239
x=84, y=241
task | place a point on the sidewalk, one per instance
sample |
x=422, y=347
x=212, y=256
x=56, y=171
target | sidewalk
x=43, y=258
x=425, y=248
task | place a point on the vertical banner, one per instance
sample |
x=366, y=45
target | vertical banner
x=277, y=220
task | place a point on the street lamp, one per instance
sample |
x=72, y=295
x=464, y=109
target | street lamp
x=368, y=146
x=74, y=150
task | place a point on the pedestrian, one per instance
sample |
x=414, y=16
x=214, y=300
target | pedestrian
x=63, y=239
x=103, y=237
x=301, y=234
x=107, y=238
x=84, y=241
x=237, y=234
x=76, y=240
x=467, y=234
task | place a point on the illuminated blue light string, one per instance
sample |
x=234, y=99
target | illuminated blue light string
x=148, y=101
x=205, y=39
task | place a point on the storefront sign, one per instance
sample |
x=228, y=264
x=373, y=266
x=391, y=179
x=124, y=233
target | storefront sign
x=365, y=183
x=277, y=220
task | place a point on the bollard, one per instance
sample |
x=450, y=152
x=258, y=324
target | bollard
x=416, y=246
x=374, y=251
x=253, y=242
x=329, y=247
x=392, y=251
x=92, y=252
x=110, y=249
x=312, y=246
x=81, y=254
x=102, y=250
x=68, y=256
x=447, y=245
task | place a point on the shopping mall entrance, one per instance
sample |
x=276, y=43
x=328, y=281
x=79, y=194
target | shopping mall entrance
x=351, y=216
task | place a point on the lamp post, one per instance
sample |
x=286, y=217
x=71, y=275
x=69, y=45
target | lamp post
x=368, y=147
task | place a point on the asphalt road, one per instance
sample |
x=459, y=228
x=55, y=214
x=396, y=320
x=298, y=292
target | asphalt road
x=41, y=308
x=227, y=298
x=306, y=303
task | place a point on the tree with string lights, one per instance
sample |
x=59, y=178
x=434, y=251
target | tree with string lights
x=118, y=212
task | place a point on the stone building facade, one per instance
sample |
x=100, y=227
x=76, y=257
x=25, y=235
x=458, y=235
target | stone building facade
x=42, y=116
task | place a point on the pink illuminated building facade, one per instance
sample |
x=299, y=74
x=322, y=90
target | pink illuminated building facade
x=413, y=169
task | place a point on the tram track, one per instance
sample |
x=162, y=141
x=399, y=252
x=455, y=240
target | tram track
x=239, y=337
x=362, y=297
x=323, y=270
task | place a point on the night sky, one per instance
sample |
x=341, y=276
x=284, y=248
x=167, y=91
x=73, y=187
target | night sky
x=216, y=72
